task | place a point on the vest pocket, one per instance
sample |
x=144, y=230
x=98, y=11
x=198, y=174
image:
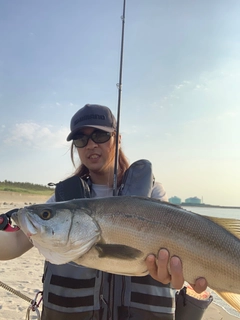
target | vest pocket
x=50, y=314
x=74, y=292
x=125, y=313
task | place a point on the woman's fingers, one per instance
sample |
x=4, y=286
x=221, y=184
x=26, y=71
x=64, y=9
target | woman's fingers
x=169, y=270
x=158, y=269
x=200, y=285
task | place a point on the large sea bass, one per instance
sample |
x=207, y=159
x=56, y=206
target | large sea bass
x=116, y=234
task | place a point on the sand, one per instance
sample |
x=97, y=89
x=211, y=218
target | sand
x=24, y=274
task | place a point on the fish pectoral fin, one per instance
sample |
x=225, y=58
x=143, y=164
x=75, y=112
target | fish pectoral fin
x=117, y=251
x=231, y=298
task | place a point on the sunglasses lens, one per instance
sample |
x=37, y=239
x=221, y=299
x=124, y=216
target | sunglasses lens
x=101, y=136
x=98, y=136
x=80, y=141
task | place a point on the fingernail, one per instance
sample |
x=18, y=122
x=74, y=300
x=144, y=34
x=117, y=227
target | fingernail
x=202, y=282
x=163, y=254
x=175, y=261
x=151, y=257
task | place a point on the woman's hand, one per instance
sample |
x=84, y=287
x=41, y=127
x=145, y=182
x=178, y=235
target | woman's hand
x=158, y=269
x=13, y=244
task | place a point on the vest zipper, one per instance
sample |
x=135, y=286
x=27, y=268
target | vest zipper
x=101, y=297
x=99, y=273
x=103, y=300
x=120, y=189
x=111, y=297
x=123, y=289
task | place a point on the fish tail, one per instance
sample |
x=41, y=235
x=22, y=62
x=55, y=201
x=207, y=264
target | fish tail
x=233, y=299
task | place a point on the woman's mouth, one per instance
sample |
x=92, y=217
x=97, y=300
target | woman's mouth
x=94, y=156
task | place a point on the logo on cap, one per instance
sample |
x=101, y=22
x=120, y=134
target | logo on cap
x=89, y=117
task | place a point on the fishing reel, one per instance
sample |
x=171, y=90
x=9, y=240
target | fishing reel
x=6, y=222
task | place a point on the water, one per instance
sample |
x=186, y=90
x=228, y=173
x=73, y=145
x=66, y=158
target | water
x=216, y=212
x=221, y=213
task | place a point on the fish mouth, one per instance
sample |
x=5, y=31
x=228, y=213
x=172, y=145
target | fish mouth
x=32, y=226
x=25, y=223
x=14, y=216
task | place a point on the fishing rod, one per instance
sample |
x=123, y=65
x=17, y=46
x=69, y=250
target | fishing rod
x=119, y=85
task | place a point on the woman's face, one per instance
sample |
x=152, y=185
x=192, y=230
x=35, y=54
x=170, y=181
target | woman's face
x=98, y=158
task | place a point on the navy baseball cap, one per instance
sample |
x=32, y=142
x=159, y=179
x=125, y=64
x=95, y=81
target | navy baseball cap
x=92, y=115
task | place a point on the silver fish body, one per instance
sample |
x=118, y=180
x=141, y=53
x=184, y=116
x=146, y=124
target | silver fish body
x=116, y=234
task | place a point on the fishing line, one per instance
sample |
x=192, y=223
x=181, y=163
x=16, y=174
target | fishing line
x=119, y=86
x=33, y=303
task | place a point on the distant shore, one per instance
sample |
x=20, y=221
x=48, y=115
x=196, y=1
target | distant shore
x=207, y=205
x=8, y=198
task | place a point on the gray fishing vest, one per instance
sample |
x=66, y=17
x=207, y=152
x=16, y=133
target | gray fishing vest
x=72, y=292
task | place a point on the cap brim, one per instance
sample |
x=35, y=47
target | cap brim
x=71, y=134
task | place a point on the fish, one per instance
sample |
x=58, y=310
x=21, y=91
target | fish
x=116, y=234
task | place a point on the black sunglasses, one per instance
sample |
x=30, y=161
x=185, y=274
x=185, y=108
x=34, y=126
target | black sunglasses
x=97, y=136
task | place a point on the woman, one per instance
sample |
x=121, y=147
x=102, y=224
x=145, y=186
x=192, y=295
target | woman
x=72, y=292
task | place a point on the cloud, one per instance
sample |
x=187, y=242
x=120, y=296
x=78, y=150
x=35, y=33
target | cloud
x=155, y=105
x=2, y=128
x=229, y=115
x=129, y=130
x=183, y=84
x=33, y=135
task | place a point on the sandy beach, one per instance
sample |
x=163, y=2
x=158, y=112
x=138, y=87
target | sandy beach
x=24, y=274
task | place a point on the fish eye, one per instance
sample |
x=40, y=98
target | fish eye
x=46, y=214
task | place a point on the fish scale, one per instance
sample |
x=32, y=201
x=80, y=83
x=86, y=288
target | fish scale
x=116, y=234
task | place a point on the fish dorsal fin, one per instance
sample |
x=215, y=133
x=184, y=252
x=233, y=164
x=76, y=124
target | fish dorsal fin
x=232, y=225
x=232, y=299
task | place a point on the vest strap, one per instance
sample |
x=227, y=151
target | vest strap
x=72, y=188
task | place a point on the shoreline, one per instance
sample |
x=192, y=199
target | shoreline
x=207, y=206
x=25, y=273
x=17, y=199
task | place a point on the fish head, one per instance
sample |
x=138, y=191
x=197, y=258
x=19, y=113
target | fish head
x=62, y=233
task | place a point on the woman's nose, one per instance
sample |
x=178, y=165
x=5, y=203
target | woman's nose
x=91, y=144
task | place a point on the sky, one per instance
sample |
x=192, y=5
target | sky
x=180, y=105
